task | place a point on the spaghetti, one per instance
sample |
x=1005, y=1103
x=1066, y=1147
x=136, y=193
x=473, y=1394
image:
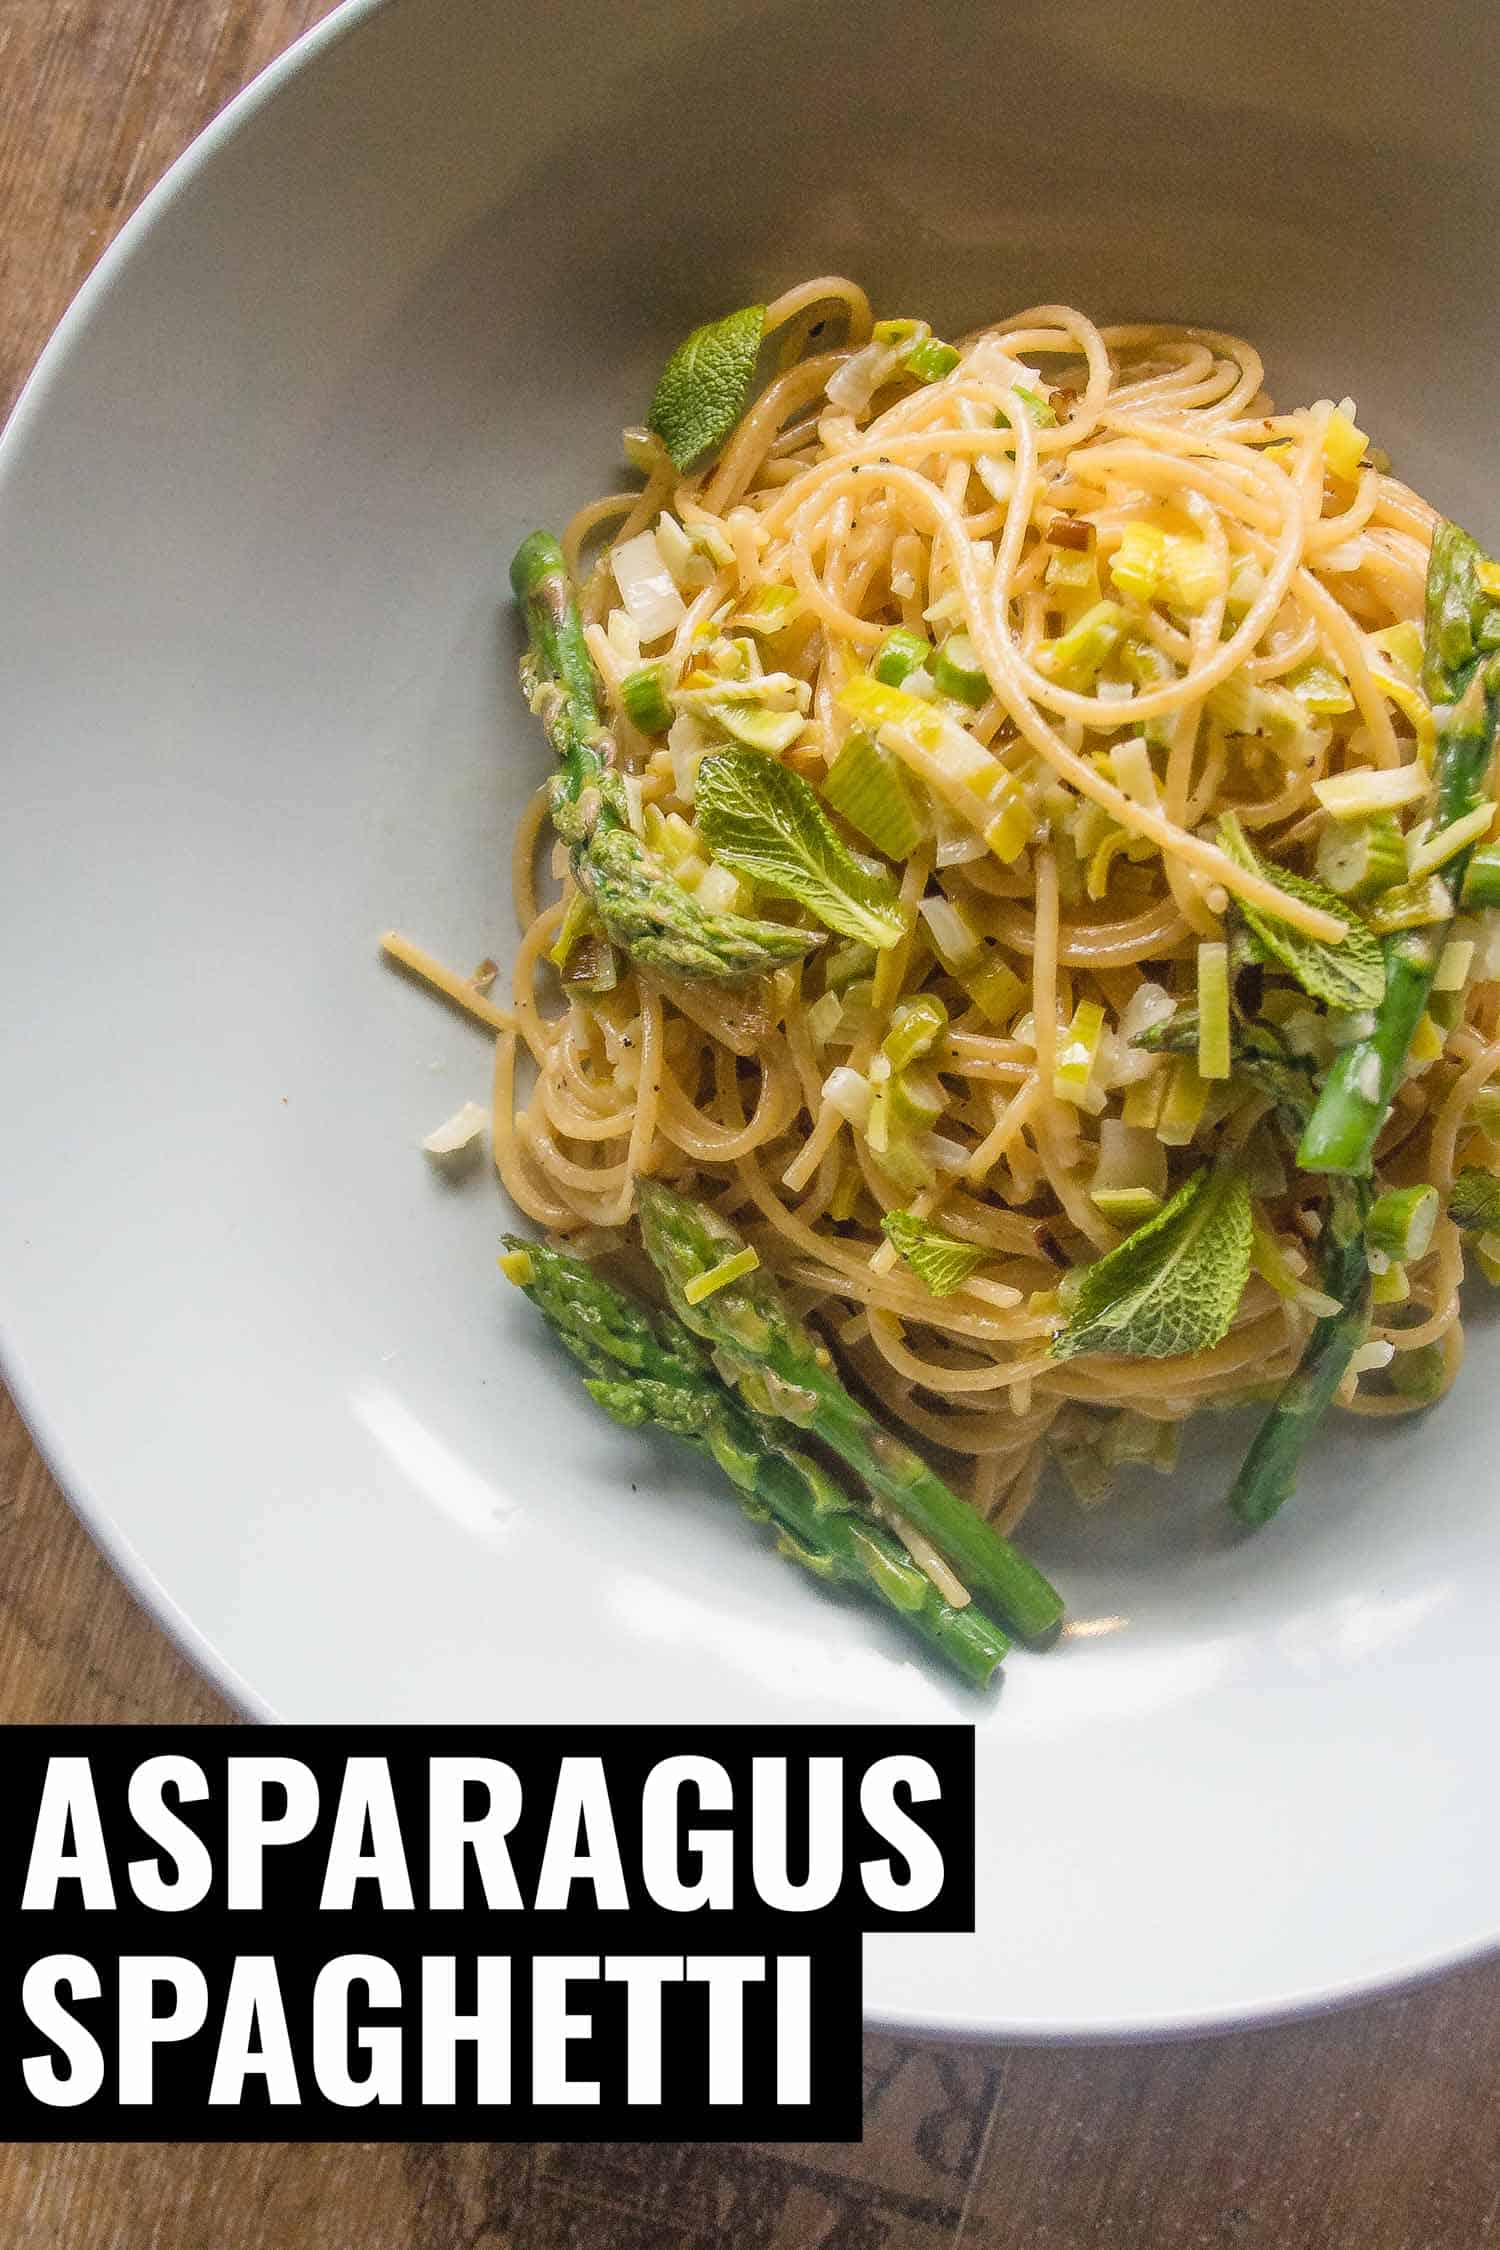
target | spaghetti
x=1159, y=601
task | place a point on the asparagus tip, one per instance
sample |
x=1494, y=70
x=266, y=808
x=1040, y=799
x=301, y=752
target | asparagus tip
x=539, y=556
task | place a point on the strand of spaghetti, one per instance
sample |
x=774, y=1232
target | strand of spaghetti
x=1251, y=369
x=581, y=527
x=585, y=1207
x=584, y=1179
x=1277, y=659
x=697, y=613
x=1347, y=644
x=460, y=990
x=523, y=853
x=1002, y=663
x=647, y=1095
x=1333, y=531
x=1191, y=904
x=1443, y=1145
x=1440, y=1290
x=527, y=1018
x=1069, y=1191
x=510, y=1159
x=955, y=1382
x=962, y=1316
x=1153, y=934
x=707, y=1142
x=1386, y=1403
x=823, y=289
x=790, y=392
x=1044, y=976
x=905, y=1300
x=827, y=1122
x=989, y=1432
x=569, y=1117
x=1006, y=1511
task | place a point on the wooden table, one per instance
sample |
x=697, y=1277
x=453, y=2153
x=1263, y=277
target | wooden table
x=1372, y=2130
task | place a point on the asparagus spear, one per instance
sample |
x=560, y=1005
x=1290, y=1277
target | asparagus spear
x=1258, y=1055
x=779, y=1369
x=1268, y=1473
x=1461, y=677
x=642, y=1366
x=648, y=915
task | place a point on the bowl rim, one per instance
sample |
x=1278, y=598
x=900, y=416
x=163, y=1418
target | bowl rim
x=30, y=405
x=92, y=1508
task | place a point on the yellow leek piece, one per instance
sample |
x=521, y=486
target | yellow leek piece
x=1078, y=1051
x=1133, y=772
x=1411, y=702
x=1213, y=1010
x=874, y=704
x=1403, y=645
x=846, y=1194
x=1391, y=1287
x=1183, y=1103
x=1011, y=828
x=995, y=989
x=1426, y=1041
x=1377, y=789
x=1136, y=564
x=1449, y=841
x=1143, y=1100
x=1343, y=443
x=1126, y=1207
x=1454, y=964
x=1191, y=575
x=703, y=1285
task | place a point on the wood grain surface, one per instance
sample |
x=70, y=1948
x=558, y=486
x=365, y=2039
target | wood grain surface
x=1371, y=2130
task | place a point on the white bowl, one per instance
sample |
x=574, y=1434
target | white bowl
x=254, y=518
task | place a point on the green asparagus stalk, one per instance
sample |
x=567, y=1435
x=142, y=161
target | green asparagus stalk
x=1268, y=1474
x=648, y=915
x=1461, y=677
x=643, y=1367
x=779, y=1369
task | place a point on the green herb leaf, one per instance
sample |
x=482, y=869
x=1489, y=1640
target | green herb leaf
x=1350, y=975
x=939, y=1261
x=764, y=820
x=1173, y=1286
x=1474, y=1203
x=705, y=384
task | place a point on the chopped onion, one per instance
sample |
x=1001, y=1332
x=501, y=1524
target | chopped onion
x=1130, y=1156
x=850, y=1094
x=461, y=1131
x=853, y=385
x=957, y=942
x=646, y=587
x=947, y=1155
x=718, y=890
